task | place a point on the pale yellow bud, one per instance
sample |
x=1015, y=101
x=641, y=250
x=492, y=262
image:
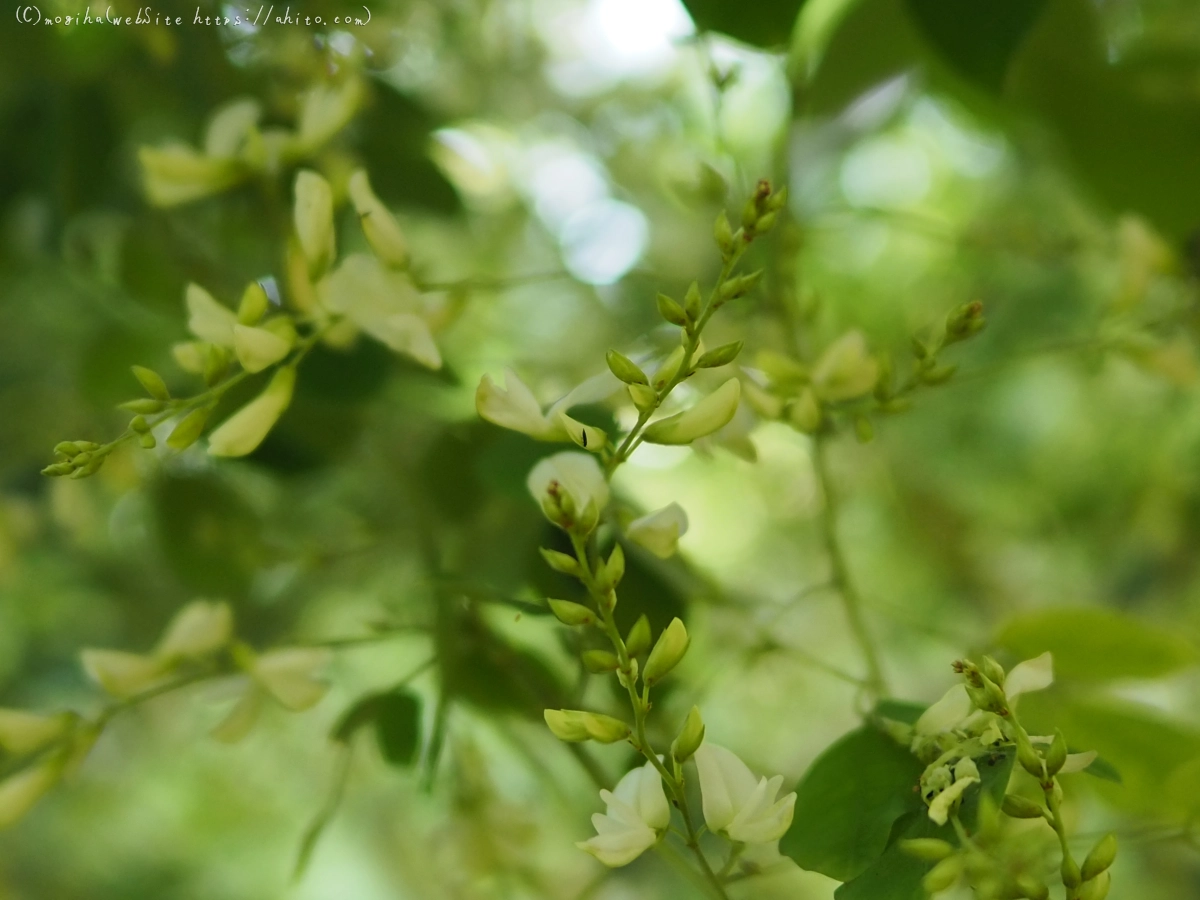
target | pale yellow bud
x=242, y=432
x=378, y=224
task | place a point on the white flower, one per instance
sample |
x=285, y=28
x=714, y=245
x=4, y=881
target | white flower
x=712, y=413
x=737, y=806
x=242, y=432
x=378, y=224
x=516, y=408
x=289, y=675
x=230, y=127
x=383, y=303
x=207, y=319
x=845, y=370
x=660, y=531
x=258, y=348
x=947, y=713
x=966, y=773
x=576, y=473
x=176, y=173
x=637, y=814
x=313, y=219
x=1032, y=675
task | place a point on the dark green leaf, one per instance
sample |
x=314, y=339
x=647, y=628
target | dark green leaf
x=861, y=785
x=398, y=726
x=763, y=23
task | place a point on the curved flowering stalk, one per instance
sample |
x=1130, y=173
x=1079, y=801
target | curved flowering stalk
x=572, y=488
x=975, y=719
x=198, y=645
x=329, y=301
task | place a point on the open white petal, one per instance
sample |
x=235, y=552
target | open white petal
x=200, y=628
x=948, y=712
x=577, y=473
x=290, y=675
x=660, y=531
x=726, y=784
x=1032, y=675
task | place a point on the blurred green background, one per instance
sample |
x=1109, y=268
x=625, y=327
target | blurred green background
x=557, y=162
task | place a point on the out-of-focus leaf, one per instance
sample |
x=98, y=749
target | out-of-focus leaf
x=860, y=785
x=763, y=23
x=1097, y=644
x=398, y=726
x=900, y=710
x=977, y=40
x=397, y=129
x=897, y=876
x=209, y=535
x=1129, y=128
x=1144, y=745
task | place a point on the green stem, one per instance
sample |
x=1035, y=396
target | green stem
x=840, y=573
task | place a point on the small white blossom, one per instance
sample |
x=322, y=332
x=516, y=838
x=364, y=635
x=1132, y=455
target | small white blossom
x=735, y=804
x=966, y=773
x=846, y=369
x=660, y=531
x=636, y=817
x=289, y=675
x=242, y=432
x=576, y=473
x=1035, y=674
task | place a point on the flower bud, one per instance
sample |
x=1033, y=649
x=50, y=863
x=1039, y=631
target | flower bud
x=928, y=849
x=659, y=531
x=643, y=396
x=1071, y=876
x=258, y=348
x=147, y=441
x=561, y=562
x=723, y=235
x=1033, y=888
x=690, y=737
x=188, y=429
x=600, y=661
x=574, y=726
x=313, y=219
x=378, y=224
x=22, y=733
x=1097, y=888
x=671, y=311
x=992, y=670
x=805, y=412
x=572, y=613
x=254, y=305
x=845, y=370
x=937, y=374
x=669, y=369
x=1056, y=755
x=692, y=301
x=242, y=432
x=152, y=382
x=710, y=414
x=1030, y=760
x=944, y=875
x=1021, y=807
x=672, y=644
x=637, y=641
x=1100, y=858
x=740, y=286
x=141, y=406
x=625, y=368
x=68, y=449
x=613, y=571
x=721, y=356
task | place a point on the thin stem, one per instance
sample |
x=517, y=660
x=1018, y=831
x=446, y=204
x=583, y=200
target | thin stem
x=497, y=283
x=840, y=573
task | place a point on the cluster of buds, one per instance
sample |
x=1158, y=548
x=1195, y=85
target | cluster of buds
x=77, y=459
x=761, y=210
x=961, y=323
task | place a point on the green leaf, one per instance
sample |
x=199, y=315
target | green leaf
x=853, y=792
x=1097, y=644
x=763, y=23
x=896, y=875
x=977, y=40
x=398, y=726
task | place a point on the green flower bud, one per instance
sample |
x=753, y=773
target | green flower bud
x=692, y=301
x=1021, y=807
x=739, y=286
x=254, y=305
x=1097, y=888
x=1100, y=858
x=600, y=661
x=672, y=644
x=56, y=470
x=188, y=430
x=572, y=613
x=378, y=224
x=139, y=425
x=669, y=369
x=242, y=432
x=625, y=368
x=938, y=374
x=1071, y=876
x=638, y=640
x=928, y=849
x=1056, y=755
x=1030, y=760
x=561, y=562
x=614, y=570
x=313, y=220
x=690, y=737
x=765, y=223
x=142, y=405
x=147, y=441
x=216, y=365
x=1033, y=888
x=805, y=412
x=574, y=725
x=67, y=449
x=671, y=311
x=643, y=396
x=992, y=670
x=721, y=356
x=778, y=200
x=152, y=382
x=723, y=235
x=944, y=875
